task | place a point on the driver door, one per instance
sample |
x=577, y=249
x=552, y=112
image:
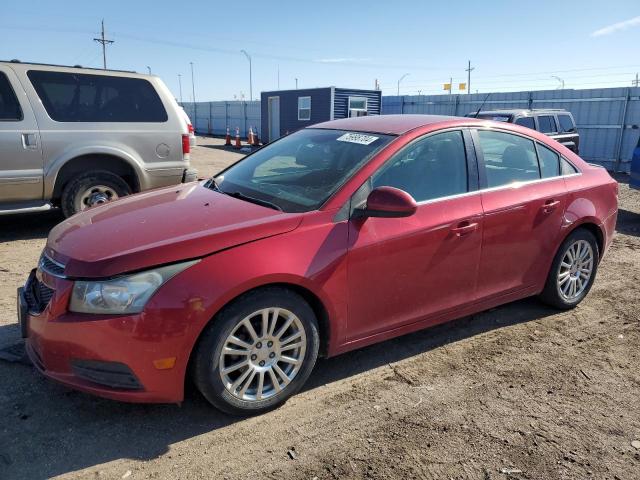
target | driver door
x=405, y=270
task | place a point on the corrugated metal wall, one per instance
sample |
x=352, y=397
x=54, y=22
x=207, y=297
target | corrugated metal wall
x=213, y=118
x=341, y=101
x=607, y=118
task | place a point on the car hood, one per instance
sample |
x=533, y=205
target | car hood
x=158, y=227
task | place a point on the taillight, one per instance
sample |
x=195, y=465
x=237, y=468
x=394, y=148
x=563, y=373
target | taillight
x=186, y=148
x=190, y=127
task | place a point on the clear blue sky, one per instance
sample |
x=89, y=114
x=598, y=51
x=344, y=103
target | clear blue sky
x=513, y=45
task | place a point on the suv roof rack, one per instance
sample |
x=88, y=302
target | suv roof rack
x=15, y=60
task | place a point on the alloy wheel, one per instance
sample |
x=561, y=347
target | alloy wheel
x=262, y=354
x=575, y=270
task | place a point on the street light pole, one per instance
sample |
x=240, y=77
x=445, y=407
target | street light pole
x=399, y=80
x=193, y=92
x=180, y=85
x=560, y=80
x=250, y=75
x=149, y=68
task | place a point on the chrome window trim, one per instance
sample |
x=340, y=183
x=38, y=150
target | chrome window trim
x=513, y=185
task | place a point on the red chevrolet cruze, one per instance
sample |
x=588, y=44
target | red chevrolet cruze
x=335, y=237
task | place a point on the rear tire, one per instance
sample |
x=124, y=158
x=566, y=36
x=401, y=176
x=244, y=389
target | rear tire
x=236, y=367
x=573, y=271
x=90, y=189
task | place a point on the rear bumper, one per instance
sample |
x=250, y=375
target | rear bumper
x=189, y=175
x=112, y=357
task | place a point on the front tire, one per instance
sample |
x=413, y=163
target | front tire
x=573, y=271
x=91, y=189
x=257, y=352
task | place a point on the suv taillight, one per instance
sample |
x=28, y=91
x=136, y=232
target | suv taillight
x=186, y=148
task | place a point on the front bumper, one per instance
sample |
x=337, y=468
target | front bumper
x=108, y=356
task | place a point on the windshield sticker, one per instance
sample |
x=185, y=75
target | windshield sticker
x=359, y=138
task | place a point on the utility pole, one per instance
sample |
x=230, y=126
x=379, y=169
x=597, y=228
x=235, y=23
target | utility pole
x=636, y=82
x=296, y=83
x=180, y=85
x=469, y=69
x=193, y=92
x=102, y=40
x=278, y=77
x=250, y=75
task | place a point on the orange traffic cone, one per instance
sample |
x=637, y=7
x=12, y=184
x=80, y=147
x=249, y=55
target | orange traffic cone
x=238, y=145
x=256, y=139
x=250, y=136
x=227, y=139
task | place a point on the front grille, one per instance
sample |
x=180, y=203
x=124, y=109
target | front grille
x=37, y=295
x=50, y=266
x=110, y=374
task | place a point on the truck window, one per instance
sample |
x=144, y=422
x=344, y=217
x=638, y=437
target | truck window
x=526, y=122
x=566, y=123
x=9, y=106
x=547, y=124
x=76, y=97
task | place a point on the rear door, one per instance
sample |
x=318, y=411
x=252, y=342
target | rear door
x=20, y=153
x=523, y=203
x=403, y=270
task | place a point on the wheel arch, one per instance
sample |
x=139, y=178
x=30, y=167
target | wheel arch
x=592, y=226
x=314, y=301
x=110, y=162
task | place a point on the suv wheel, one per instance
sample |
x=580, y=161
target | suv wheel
x=573, y=271
x=257, y=352
x=91, y=189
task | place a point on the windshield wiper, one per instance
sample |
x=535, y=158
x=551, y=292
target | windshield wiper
x=247, y=198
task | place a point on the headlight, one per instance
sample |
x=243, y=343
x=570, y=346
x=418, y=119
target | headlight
x=126, y=294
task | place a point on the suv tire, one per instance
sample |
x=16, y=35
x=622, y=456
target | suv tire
x=90, y=189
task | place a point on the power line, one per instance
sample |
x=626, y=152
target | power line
x=102, y=40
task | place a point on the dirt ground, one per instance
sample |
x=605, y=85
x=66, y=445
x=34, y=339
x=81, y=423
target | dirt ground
x=519, y=392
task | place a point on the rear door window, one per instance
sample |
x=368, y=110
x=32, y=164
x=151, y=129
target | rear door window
x=9, y=106
x=566, y=123
x=508, y=158
x=526, y=122
x=76, y=97
x=547, y=124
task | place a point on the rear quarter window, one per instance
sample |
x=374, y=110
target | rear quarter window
x=547, y=124
x=76, y=97
x=9, y=106
x=566, y=123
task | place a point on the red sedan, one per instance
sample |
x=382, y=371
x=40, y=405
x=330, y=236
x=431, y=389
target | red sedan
x=335, y=237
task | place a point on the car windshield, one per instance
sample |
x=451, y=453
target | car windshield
x=299, y=172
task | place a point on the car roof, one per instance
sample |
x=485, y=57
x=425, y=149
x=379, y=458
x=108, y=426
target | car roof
x=391, y=124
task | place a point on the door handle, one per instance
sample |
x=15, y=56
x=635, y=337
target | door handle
x=464, y=228
x=29, y=141
x=550, y=205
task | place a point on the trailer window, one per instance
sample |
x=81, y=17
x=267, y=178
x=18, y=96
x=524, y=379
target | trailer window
x=304, y=108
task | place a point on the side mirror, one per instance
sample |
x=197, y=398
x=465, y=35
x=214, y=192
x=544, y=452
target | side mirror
x=388, y=202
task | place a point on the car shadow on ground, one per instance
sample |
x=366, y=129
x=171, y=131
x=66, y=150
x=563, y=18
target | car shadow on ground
x=628, y=223
x=28, y=226
x=73, y=431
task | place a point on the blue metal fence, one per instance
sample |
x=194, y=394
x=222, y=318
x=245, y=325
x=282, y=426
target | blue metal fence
x=607, y=118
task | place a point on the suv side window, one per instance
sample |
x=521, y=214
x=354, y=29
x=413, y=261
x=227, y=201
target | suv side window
x=549, y=162
x=566, y=123
x=9, y=106
x=76, y=97
x=547, y=124
x=430, y=168
x=508, y=158
x=526, y=122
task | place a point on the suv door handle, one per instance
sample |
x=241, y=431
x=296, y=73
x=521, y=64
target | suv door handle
x=550, y=205
x=29, y=141
x=464, y=228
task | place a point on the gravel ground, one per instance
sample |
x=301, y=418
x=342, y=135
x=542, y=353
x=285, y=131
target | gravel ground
x=518, y=392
